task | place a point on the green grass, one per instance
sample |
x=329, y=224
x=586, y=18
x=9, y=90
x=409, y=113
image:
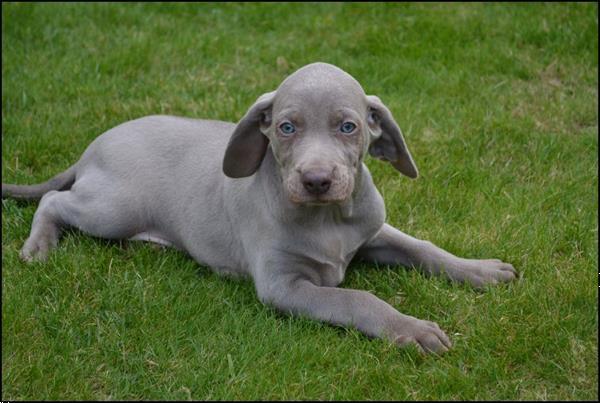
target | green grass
x=498, y=103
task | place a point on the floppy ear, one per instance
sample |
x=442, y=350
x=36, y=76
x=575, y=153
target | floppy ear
x=388, y=143
x=248, y=145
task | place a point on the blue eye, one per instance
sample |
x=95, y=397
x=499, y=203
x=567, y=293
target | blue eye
x=348, y=127
x=287, y=128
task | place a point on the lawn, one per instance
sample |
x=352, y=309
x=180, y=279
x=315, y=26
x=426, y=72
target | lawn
x=498, y=104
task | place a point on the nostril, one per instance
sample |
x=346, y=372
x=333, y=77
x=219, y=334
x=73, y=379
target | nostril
x=316, y=182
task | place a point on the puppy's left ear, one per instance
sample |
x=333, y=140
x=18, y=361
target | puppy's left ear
x=387, y=141
x=248, y=145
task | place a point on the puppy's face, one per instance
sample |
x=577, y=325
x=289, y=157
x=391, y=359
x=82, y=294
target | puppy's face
x=319, y=124
x=318, y=132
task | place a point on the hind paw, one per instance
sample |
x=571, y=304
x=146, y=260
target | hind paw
x=37, y=249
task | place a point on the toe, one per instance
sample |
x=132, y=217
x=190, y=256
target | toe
x=509, y=268
x=505, y=276
x=431, y=343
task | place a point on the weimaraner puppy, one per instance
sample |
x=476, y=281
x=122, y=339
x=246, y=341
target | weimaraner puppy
x=283, y=197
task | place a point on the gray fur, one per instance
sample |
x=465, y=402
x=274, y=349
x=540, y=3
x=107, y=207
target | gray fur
x=290, y=211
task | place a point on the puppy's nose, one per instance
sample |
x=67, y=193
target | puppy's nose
x=316, y=182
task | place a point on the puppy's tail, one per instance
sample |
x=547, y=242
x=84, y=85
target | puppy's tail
x=62, y=181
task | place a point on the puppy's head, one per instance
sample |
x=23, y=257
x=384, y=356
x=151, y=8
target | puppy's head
x=319, y=124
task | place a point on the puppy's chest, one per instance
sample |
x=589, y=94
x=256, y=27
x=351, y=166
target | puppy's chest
x=327, y=246
x=330, y=253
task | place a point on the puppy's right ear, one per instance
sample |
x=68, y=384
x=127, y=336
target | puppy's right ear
x=248, y=145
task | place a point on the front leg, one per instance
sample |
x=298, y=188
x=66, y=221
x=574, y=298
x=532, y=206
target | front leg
x=391, y=246
x=345, y=307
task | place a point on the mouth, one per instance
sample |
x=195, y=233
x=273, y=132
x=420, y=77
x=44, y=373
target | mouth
x=315, y=201
x=318, y=203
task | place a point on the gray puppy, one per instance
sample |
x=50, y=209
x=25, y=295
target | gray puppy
x=283, y=197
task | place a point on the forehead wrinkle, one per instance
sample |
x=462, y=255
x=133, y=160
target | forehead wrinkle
x=339, y=115
x=321, y=105
x=321, y=86
x=348, y=112
x=290, y=112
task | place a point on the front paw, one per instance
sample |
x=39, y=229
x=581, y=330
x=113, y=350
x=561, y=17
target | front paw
x=482, y=272
x=425, y=335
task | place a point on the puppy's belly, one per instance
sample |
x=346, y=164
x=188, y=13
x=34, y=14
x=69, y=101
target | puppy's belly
x=152, y=236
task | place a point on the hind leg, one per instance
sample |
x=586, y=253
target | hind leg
x=45, y=229
x=100, y=214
